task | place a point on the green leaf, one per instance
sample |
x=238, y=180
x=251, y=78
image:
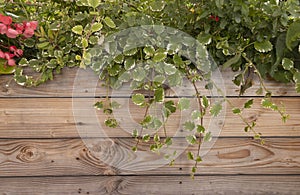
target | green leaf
x=109, y=22
x=174, y=79
x=189, y=126
x=200, y=129
x=146, y=138
x=94, y=3
x=205, y=102
x=232, y=61
x=120, y=59
x=196, y=114
x=293, y=34
x=115, y=105
x=23, y=62
x=191, y=139
x=84, y=43
x=77, y=29
x=43, y=45
x=149, y=50
x=96, y=27
x=178, y=61
x=169, y=69
x=157, y=6
x=5, y=69
x=129, y=63
x=168, y=141
x=155, y=124
x=159, y=57
x=159, y=95
x=264, y=46
x=216, y=109
x=207, y=137
x=111, y=122
x=135, y=133
x=287, y=64
x=236, y=111
x=204, y=38
x=190, y=156
x=156, y=138
x=184, y=104
x=134, y=149
x=139, y=74
x=198, y=159
x=138, y=99
x=296, y=78
x=99, y=105
x=248, y=104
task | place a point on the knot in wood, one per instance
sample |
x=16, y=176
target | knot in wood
x=29, y=154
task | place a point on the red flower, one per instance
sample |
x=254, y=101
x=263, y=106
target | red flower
x=3, y=28
x=215, y=18
x=19, y=28
x=7, y=20
x=11, y=33
x=18, y=52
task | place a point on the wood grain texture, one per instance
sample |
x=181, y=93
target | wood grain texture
x=83, y=83
x=168, y=185
x=54, y=118
x=52, y=157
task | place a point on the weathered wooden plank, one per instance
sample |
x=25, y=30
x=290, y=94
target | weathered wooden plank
x=54, y=118
x=71, y=157
x=152, y=185
x=85, y=82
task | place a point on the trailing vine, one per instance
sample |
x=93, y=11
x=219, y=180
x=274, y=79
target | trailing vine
x=143, y=44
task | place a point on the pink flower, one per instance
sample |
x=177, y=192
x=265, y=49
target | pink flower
x=3, y=28
x=11, y=62
x=2, y=54
x=8, y=56
x=11, y=33
x=12, y=48
x=29, y=32
x=7, y=20
x=18, y=52
x=19, y=28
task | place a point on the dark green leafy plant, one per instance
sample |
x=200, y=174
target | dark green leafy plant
x=253, y=38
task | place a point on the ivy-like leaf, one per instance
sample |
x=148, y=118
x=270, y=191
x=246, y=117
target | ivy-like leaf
x=139, y=74
x=159, y=57
x=191, y=139
x=184, y=104
x=287, y=63
x=146, y=138
x=94, y=3
x=196, y=114
x=264, y=46
x=190, y=155
x=189, y=126
x=99, y=105
x=157, y=6
x=138, y=99
x=216, y=109
x=169, y=69
x=236, y=111
x=204, y=102
x=207, y=137
x=200, y=129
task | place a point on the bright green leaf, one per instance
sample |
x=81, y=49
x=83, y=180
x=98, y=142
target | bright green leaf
x=191, y=139
x=200, y=129
x=77, y=29
x=287, y=63
x=190, y=156
x=264, y=46
x=159, y=95
x=157, y=5
x=248, y=104
x=236, y=111
x=94, y=3
x=216, y=109
x=109, y=22
x=159, y=57
x=293, y=34
x=207, y=137
x=96, y=27
x=138, y=99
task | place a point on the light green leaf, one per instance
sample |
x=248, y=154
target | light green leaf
x=109, y=22
x=77, y=29
x=115, y=105
x=190, y=156
x=216, y=109
x=5, y=69
x=159, y=57
x=159, y=95
x=129, y=63
x=293, y=34
x=157, y=6
x=119, y=59
x=264, y=46
x=184, y=104
x=155, y=124
x=23, y=62
x=168, y=141
x=204, y=102
x=149, y=50
x=156, y=138
x=99, y=105
x=96, y=27
x=174, y=79
x=207, y=137
x=43, y=45
x=138, y=74
x=146, y=138
x=200, y=129
x=196, y=114
x=191, y=139
x=169, y=69
x=84, y=43
x=204, y=38
x=287, y=63
x=138, y=99
x=189, y=126
x=232, y=61
x=94, y=3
